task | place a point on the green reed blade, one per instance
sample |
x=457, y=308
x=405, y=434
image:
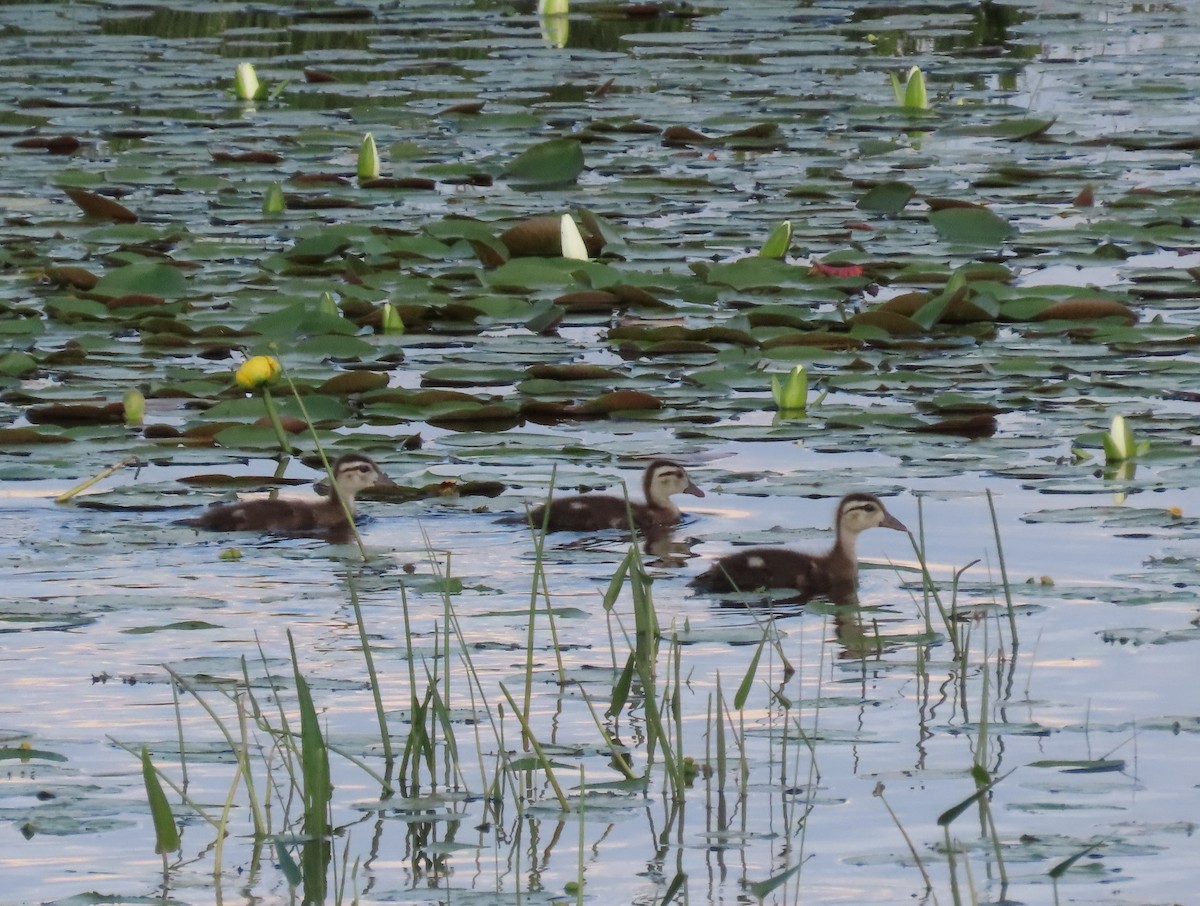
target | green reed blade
x=166, y=833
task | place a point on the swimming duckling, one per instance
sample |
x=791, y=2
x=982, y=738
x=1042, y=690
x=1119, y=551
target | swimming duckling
x=833, y=574
x=352, y=473
x=596, y=512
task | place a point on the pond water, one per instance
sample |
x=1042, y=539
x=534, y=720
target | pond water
x=1063, y=130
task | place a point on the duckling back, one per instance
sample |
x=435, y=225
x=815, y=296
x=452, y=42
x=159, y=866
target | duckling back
x=768, y=567
x=599, y=512
x=289, y=516
x=352, y=473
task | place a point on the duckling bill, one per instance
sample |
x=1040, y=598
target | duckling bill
x=832, y=575
x=352, y=473
x=597, y=512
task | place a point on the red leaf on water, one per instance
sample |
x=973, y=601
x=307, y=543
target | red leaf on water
x=831, y=270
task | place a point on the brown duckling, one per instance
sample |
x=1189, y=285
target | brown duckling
x=596, y=512
x=352, y=473
x=833, y=574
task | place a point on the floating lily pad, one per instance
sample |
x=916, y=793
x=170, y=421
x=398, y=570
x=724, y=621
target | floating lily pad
x=971, y=226
x=558, y=161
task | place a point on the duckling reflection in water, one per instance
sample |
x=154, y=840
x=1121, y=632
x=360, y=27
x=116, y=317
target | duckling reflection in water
x=597, y=512
x=352, y=473
x=832, y=575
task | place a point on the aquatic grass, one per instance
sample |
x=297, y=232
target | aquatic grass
x=912, y=849
x=176, y=788
x=946, y=818
x=980, y=771
x=183, y=764
x=1008, y=598
x=528, y=735
x=239, y=750
x=166, y=833
x=538, y=587
x=385, y=738
x=316, y=439
x=474, y=683
x=1061, y=868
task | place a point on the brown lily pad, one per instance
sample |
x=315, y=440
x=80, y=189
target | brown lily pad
x=1082, y=308
x=822, y=339
x=76, y=414
x=100, y=206
x=350, y=382
x=541, y=237
x=682, y=136
x=288, y=423
x=572, y=372
x=219, y=480
x=635, y=295
x=983, y=425
x=78, y=277
x=22, y=437
x=961, y=311
x=942, y=204
x=589, y=300
x=318, y=179
x=247, y=157
x=55, y=144
x=894, y=324
x=616, y=401
x=399, y=182
x=466, y=107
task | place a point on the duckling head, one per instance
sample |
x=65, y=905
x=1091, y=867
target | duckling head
x=664, y=478
x=859, y=512
x=355, y=472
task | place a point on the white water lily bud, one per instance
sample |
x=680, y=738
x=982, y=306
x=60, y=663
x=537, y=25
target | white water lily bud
x=245, y=82
x=572, y=241
x=791, y=394
x=368, y=158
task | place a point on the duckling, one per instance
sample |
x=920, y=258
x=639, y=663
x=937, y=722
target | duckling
x=596, y=512
x=833, y=574
x=352, y=473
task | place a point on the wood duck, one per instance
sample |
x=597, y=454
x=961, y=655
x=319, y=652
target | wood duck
x=596, y=512
x=352, y=473
x=833, y=574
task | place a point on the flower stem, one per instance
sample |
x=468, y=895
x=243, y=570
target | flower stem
x=273, y=416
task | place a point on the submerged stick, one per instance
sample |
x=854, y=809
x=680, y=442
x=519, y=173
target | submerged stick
x=65, y=496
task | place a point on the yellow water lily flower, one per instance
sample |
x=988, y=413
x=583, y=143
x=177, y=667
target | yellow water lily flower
x=258, y=371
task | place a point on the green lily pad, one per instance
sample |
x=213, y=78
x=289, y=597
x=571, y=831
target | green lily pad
x=887, y=198
x=971, y=226
x=556, y=162
x=145, y=278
